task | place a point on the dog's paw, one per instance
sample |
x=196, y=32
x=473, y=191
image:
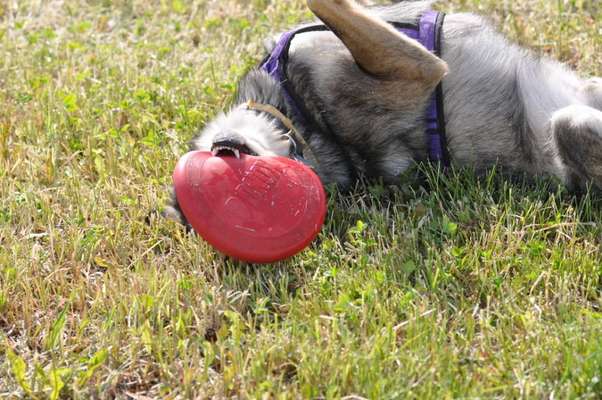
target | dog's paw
x=593, y=92
x=173, y=211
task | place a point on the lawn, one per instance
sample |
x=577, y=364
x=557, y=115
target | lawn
x=455, y=286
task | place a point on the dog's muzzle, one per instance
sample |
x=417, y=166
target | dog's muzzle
x=231, y=145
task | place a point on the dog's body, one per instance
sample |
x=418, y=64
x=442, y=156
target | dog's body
x=367, y=89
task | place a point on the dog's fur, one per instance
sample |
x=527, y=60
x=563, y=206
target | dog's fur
x=365, y=91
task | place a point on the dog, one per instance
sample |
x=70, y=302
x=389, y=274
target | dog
x=362, y=89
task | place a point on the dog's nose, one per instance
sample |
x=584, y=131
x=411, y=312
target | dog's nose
x=228, y=137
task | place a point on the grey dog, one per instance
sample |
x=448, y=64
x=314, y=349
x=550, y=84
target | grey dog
x=366, y=86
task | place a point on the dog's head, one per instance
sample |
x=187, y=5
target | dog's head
x=244, y=130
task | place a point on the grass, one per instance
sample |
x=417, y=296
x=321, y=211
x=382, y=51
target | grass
x=457, y=287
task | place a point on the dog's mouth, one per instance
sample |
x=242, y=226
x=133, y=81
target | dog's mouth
x=231, y=148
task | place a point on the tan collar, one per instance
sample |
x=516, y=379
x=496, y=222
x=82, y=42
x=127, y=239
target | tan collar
x=293, y=133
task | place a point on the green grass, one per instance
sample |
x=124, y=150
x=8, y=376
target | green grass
x=457, y=287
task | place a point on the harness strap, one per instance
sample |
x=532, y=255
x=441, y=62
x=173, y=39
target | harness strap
x=427, y=33
x=430, y=36
x=293, y=134
x=275, y=66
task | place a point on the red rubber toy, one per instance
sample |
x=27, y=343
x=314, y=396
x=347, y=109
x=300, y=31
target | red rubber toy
x=255, y=209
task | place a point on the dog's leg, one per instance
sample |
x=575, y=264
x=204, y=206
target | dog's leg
x=376, y=46
x=174, y=212
x=578, y=134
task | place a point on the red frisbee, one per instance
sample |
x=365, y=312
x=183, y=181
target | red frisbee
x=256, y=209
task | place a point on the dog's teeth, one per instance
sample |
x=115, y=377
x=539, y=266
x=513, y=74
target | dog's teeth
x=218, y=149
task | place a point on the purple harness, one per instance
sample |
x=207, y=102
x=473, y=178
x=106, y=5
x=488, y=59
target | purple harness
x=427, y=33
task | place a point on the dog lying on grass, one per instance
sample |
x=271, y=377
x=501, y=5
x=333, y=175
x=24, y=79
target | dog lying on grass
x=358, y=97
